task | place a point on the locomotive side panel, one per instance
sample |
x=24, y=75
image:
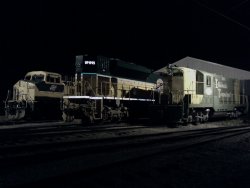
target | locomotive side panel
x=228, y=96
x=115, y=98
x=208, y=90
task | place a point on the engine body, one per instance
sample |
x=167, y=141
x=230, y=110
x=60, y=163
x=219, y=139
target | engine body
x=108, y=89
x=37, y=96
x=199, y=95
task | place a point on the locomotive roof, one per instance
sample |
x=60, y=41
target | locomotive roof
x=43, y=72
x=211, y=67
x=130, y=65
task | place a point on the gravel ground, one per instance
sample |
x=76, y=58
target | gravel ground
x=220, y=164
x=224, y=163
x=2, y=119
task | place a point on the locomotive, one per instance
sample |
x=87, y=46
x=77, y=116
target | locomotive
x=109, y=89
x=196, y=96
x=37, y=96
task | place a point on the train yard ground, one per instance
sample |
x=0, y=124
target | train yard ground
x=57, y=154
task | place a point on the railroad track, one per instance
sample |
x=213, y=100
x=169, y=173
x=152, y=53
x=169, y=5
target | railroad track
x=35, y=139
x=73, y=156
x=50, y=134
x=28, y=137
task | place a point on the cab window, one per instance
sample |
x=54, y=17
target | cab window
x=53, y=79
x=208, y=81
x=199, y=83
x=38, y=78
x=27, y=77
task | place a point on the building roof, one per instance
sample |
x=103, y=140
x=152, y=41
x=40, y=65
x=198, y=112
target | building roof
x=211, y=67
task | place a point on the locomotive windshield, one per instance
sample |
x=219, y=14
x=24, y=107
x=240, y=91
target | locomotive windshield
x=38, y=78
x=53, y=78
x=27, y=77
x=177, y=72
x=35, y=77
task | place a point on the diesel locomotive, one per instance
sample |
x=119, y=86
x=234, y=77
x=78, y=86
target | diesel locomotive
x=37, y=96
x=109, y=89
x=192, y=95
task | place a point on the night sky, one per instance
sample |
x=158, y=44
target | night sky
x=41, y=35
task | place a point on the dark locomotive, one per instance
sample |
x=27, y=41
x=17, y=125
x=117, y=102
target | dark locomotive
x=107, y=89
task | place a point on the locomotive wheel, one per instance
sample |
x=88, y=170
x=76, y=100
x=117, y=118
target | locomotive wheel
x=19, y=114
x=106, y=114
x=234, y=114
x=197, y=119
x=67, y=117
x=87, y=120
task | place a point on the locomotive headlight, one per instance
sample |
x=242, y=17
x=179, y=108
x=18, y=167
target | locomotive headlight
x=208, y=91
x=159, y=85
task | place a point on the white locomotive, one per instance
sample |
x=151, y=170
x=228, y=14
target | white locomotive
x=196, y=96
x=37, y=96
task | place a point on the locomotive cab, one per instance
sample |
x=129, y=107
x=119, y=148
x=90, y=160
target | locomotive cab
x=41, y=76
x=34, y=77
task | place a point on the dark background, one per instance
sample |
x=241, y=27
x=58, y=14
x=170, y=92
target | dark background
x=46, y=35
